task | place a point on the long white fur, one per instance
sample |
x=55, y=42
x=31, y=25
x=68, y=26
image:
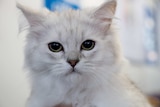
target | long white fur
x=99, y=82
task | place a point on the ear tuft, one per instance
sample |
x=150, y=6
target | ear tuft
x=106, y=13
x=34, y=17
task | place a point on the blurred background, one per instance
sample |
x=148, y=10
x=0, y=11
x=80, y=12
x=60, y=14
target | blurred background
x=139, y=28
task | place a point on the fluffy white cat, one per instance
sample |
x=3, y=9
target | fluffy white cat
x=74, y=58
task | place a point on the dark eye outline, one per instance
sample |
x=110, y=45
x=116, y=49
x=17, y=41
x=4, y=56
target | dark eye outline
x=90, y=48
x=54, y=50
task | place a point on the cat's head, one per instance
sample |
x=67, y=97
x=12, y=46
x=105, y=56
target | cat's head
x=73, y=43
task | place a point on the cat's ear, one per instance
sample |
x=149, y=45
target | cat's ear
x=106, y=13
x=34, y=17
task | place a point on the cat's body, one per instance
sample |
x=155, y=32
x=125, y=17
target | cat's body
x=74, y=58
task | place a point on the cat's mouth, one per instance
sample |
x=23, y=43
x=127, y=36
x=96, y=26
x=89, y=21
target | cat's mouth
x=73, y=71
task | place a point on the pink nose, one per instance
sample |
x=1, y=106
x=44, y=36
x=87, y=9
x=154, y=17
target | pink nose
x=73, y=62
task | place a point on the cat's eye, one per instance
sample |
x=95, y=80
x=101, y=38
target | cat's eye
x=55, y=47
x=88, y=45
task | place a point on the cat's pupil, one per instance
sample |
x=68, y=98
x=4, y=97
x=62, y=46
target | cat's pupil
x=88, y=45
x=55, y=47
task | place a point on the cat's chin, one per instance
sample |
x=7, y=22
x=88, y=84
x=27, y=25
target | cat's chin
x=73, y=76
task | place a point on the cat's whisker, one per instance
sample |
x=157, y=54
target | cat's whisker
x=96, y=75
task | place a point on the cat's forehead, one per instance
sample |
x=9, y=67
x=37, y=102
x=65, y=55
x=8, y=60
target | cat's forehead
x=72, y=15
x=70, y=25
x=70, y=20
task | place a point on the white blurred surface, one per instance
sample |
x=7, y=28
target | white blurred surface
x=146, y=77
x=14, y=88
x=91, y=3
x=35, y=4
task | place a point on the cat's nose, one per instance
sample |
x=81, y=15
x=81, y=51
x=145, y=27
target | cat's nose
x=73, y=62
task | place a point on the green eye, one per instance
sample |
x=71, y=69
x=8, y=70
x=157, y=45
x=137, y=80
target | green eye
x=88, y=45
x=55, y=47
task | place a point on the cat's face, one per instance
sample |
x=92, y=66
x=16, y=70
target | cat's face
x=71, y=43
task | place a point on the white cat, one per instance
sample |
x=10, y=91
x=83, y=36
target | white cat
x=74, y=58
